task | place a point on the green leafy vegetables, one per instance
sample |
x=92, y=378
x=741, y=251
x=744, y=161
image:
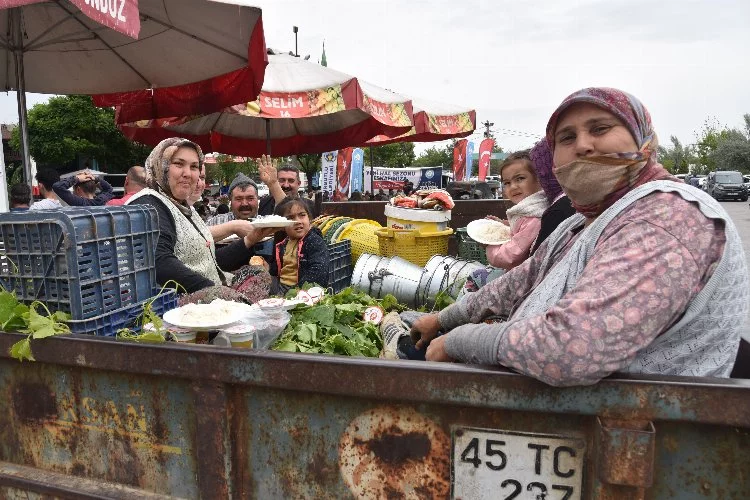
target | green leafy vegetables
x=18, y=317
x=335, y=325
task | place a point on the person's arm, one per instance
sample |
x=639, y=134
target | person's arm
x=226, y=229
x=636, y=285
x=61, y=188
x=237, y=254
x=314, y=264
x=269, y=175
x=512, y=253
x=168, y=266
x=266, y=205
x=105, y=193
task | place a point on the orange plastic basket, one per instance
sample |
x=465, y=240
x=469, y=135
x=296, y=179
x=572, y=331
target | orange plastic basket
x=413, y=245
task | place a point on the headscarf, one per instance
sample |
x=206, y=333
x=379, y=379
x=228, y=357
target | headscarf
x=157, y=168
x=541, y=159
x=638, y=121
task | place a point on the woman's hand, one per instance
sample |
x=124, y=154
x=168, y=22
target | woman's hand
x=436, y=351
x=497, y=219
x=267, y=170
x=241, y=227
x=255, y=234
x=424, y=330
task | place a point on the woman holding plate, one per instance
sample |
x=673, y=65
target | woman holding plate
x=185, y=252
x=648, y=277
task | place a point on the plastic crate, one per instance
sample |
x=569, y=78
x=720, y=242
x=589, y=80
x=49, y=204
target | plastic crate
x=340, y=267
x=361, y=232
x=468, y=248
x=83, y=260
x=415, y=246
x=126, y=317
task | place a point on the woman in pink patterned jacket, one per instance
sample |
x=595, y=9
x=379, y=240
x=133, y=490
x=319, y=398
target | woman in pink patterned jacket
x=648, y=277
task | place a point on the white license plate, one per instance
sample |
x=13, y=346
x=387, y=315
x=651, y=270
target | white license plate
x=507, y=465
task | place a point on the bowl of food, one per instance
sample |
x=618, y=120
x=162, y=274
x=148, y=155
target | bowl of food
x=273, y=308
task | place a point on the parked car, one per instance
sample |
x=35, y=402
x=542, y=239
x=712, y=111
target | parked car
x=727, y=184
x=746, y=178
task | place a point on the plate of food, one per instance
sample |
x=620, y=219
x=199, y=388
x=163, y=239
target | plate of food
x=488, y=232
x=201, y=317
x=271, y=221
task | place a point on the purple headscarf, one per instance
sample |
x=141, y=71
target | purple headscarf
x=541, y=159
x=621, y=104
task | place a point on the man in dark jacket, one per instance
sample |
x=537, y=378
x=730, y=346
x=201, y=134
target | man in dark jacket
x=84, y=190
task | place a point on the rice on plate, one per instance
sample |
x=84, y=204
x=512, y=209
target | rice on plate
x=488, y=232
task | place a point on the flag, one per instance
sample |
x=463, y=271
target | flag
x=343, y=174
x=358, y=163
x=485, y=155
x=328, y=172
x=459, y=160
x=469, y=160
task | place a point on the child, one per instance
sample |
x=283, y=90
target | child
x=301, y=257
x=520, y=186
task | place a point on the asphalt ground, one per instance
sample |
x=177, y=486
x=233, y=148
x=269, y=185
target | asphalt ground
x=739, y=211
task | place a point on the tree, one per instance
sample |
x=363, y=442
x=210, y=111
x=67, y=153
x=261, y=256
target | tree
x=435, y=157
x=226, y=168
x=309, y=164
x=676, y=159
x=722, y=148
x=67, y=126
x=396, y=155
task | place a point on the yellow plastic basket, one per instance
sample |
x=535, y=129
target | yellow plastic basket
x=361, y=232
x=413, y=245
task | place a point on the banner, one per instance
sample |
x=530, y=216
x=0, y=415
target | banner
x=395, y=178
x=485, y=154
x=328, y=173
x=459, y=160
x=358, y=164
x=343, y=175
x=469, y=160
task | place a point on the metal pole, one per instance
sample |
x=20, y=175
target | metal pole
x=268, y=136
x=372, y=175
x=17, y=47
x=295, y=29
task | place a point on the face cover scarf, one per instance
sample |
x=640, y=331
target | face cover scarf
x=595, y=183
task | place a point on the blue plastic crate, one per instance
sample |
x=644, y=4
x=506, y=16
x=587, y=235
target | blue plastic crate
x=340, y=266
x=82, y=260
x=126, y=317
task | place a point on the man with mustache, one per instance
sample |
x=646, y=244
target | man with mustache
x=243, y=199
x=287, y=178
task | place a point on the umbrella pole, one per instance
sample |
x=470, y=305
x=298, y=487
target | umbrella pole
x=372, y=176
x=21, y=94
x=268, y=136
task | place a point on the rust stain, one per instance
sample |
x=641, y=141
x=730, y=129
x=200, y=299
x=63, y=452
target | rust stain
x=395, y=452
x=34, y=402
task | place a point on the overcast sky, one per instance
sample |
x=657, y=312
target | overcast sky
x=514, y=61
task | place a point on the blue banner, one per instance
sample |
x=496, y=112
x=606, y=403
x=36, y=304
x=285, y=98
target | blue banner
x=430, y=178
x=469, y=160
x=358, y=165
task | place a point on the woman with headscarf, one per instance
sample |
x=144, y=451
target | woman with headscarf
x=560, y=207
x=185, y=252
x=648, y=277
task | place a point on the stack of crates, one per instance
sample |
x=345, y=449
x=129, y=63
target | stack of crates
x=96, y=263
x=340, y=266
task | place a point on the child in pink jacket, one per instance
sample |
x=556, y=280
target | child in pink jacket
x=522, y=188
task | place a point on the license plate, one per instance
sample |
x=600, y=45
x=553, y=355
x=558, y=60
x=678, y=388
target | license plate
x=496, y=464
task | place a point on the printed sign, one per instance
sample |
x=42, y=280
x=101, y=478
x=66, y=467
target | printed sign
x=328, y=172
x=358, y=164
x=395, y=178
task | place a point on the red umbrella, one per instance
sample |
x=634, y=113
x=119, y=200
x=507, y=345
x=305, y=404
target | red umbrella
x=434, y=121
x=302, y=108
x=191, y=56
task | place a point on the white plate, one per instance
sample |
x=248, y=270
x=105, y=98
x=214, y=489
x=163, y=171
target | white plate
x=174, y=317
x=272, y=223
x=474, y=226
